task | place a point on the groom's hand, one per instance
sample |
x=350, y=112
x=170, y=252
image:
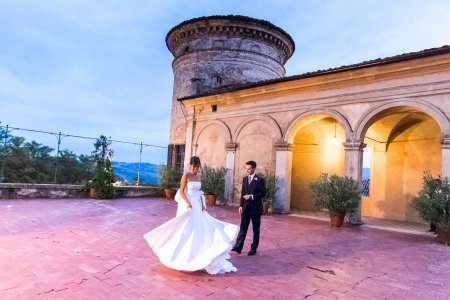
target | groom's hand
x=247, y=197
x=240, y=210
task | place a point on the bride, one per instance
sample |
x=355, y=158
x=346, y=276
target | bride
x=193, y=240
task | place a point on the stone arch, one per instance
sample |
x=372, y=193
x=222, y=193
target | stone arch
x=213, y=135
x=255, y=138
x=317, y=153
x=268, y=119
x=403, y=140
x=366, y=121
x=296, y=123
x=218, y=123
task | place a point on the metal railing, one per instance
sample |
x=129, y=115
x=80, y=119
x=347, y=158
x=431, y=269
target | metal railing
x=6, y=136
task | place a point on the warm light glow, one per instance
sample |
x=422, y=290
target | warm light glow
x=335, y=140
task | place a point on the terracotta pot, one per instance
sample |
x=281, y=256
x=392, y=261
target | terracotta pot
x=211, y=200
x=337, y=220
x=92, y=193
x=443, y=236
x=170, y=193
x=265, y=208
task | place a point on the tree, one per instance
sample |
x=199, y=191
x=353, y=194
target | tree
x=104, y=174
x=3, y=150
x=32, y=162
x=73, y=169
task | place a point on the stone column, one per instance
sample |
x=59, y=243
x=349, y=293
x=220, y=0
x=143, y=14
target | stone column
x=229, y=177
x=353, y=168
x=190, y=120
x=445, y=157
x=283, y=171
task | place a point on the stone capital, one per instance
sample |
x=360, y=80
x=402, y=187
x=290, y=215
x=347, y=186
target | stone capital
x=190, y=119
x=354, y=145
x=284, y=146
x=231, y=147
x=445, y=142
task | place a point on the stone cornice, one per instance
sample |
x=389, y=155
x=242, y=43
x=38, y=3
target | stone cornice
x=231, y=26
x=231, y=17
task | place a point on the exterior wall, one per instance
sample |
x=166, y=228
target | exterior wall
x=367, y=103
x=255, y=142
x=210, y=145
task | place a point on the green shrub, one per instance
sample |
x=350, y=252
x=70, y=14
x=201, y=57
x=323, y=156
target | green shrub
x=213, y=180
x=271, y=186
x=337, y=194
x=433, y=201
x=169, y=177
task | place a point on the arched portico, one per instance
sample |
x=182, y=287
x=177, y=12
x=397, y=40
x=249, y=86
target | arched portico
x=402, y=105
x=404, y=138
x=311, y=116
x=313, y=143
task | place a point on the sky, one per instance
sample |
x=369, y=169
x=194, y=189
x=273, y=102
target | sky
x=92, y=68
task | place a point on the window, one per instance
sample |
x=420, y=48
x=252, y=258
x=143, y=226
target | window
x=175, y=156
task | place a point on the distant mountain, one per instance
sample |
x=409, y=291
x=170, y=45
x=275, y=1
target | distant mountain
x=129, y=171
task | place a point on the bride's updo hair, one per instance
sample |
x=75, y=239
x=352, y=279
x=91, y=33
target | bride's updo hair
x=195, y=161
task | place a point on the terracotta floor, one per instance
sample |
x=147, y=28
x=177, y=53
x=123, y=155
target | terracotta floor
x=93, y=249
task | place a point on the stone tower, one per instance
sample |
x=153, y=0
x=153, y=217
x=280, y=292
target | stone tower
x=219, y=52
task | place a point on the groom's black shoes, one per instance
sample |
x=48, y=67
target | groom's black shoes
x=236, y=250
x=252, y=252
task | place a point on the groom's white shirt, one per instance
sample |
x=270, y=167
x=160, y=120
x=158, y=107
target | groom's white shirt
x=250, y=180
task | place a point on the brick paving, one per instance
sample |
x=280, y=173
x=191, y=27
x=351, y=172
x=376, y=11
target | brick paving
x=93, y=249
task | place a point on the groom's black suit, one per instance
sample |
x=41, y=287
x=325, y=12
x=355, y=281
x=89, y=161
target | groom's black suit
x=251, y=210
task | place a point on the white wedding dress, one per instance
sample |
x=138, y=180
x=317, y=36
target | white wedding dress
x=194, y=240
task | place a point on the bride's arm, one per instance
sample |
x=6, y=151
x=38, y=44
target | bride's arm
x=183, y=183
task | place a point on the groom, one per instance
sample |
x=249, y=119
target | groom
x=253, y=190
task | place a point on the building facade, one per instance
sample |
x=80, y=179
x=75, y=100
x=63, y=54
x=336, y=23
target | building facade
x=397, y=108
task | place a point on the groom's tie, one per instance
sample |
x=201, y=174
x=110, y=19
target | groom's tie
x=249, y=179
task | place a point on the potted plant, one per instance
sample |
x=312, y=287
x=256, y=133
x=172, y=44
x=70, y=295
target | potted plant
x=101, y=185
x=169, y=179
x=433, y=205
x=213, y=183
x=337, y=195
x=271, y=189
